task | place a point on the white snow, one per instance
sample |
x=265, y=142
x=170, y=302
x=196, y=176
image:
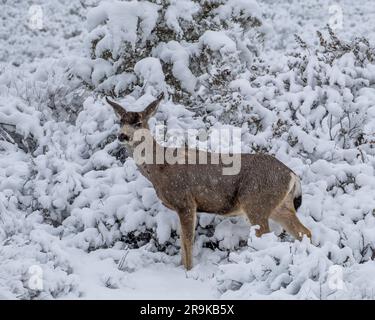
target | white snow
x=218, y=41
x=101, y=279
x=74, y=208
x=150, y=71
x=123, y=18
x=180, y=10
x=178, y=56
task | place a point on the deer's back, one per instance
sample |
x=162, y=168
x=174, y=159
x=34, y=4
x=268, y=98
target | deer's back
x=261, y=179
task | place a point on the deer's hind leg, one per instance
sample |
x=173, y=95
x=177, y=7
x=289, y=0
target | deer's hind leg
x=286, y=216
x=187, y=220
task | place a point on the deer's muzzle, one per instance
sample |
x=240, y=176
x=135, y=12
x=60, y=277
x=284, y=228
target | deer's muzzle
x=123, y=137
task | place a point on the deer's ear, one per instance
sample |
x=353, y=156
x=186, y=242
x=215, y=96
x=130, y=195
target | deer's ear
x=121, y=112
x=152, y=107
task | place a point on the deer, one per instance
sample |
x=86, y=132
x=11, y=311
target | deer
x=263, y=189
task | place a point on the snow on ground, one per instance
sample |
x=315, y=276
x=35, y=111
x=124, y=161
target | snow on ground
x=71, y=209
x=102, y=279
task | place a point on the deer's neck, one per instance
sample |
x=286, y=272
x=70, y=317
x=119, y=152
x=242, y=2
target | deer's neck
x=145, y=150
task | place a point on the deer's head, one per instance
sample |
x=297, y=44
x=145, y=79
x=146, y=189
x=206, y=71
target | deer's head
x=133, y=121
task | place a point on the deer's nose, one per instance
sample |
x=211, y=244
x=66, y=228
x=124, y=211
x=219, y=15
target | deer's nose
x=123, y=137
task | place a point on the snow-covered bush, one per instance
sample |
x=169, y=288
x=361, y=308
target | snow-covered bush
x=147, y=47
x=321, y=102
x=32, y=30
x=191, y=49
x=73, y=204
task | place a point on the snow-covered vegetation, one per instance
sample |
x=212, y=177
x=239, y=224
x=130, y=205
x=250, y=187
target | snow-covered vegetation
x=77, y=219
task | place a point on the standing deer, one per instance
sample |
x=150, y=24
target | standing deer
x=264, y=187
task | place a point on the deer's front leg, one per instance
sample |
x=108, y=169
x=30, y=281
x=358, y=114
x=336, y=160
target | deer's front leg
x=187, y=221
x=262, y=222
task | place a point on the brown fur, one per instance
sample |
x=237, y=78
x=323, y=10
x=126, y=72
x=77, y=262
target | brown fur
x=264, y=188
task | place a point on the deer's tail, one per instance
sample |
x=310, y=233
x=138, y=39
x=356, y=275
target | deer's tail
x=297, y=192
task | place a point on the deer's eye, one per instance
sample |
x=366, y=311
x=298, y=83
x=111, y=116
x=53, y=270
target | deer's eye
x=138, y=125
